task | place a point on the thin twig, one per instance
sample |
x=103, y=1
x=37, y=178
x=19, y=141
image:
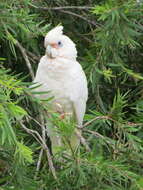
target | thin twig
x=38, y=163
x=97, y=118
x=80, y=16
x=35, y=57
x=82, y=140
x=35, y=120
x=61, y=8
x=97, y=135
x=41, y=151
x=38, y=137
x=34, y=133
x=25, y=56
x=84, y=37
x=108, y=118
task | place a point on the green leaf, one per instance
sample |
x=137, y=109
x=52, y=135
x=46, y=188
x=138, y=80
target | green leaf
x=17, y=111
x=24, y=153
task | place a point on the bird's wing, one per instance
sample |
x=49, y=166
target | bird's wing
x=79, y=95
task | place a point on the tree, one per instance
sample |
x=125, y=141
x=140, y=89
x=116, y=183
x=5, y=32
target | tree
x=111, y=34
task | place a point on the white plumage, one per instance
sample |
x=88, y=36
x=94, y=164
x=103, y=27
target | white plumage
x=60, y=73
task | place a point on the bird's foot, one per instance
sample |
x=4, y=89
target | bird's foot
x=62, y=116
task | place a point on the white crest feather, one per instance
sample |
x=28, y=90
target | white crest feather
x=58, y=30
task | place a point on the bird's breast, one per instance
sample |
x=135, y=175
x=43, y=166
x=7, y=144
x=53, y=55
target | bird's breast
x=57, y=76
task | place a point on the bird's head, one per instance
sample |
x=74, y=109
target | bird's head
x=59, y=45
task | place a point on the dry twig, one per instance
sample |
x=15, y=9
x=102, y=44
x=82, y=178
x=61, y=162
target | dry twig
x=61, y=8
x=41, y=151
x=64, y=10
x=108, y=118
x=97, y=135
x=25, y=56
x=80, y=16
x=82, y=140
x=38, y=163
x=33, y=56
x=38, y=137
x=97, y=118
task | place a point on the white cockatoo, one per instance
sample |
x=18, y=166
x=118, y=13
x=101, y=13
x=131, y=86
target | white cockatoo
x=63, y=77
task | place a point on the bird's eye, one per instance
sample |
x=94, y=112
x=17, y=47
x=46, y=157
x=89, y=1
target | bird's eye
x=59, y=43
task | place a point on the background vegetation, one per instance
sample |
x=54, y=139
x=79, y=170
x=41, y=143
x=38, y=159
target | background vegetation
x=109, y=38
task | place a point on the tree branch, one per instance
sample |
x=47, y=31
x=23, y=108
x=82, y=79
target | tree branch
x=37, y=136
x=41, y=151
x=39, y=163
x=108, y=118
x=33, y=56
x=82, y=140
x=79, y=16
x=25, y=56
x=61, y=8
x=97, y=135
x=97, y=118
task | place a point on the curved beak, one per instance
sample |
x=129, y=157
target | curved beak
x=51, y=51
x=54, y=45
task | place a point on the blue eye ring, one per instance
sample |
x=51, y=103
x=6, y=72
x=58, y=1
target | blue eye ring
x=59, y=43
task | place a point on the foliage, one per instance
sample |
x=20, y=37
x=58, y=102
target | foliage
x=111, y=33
